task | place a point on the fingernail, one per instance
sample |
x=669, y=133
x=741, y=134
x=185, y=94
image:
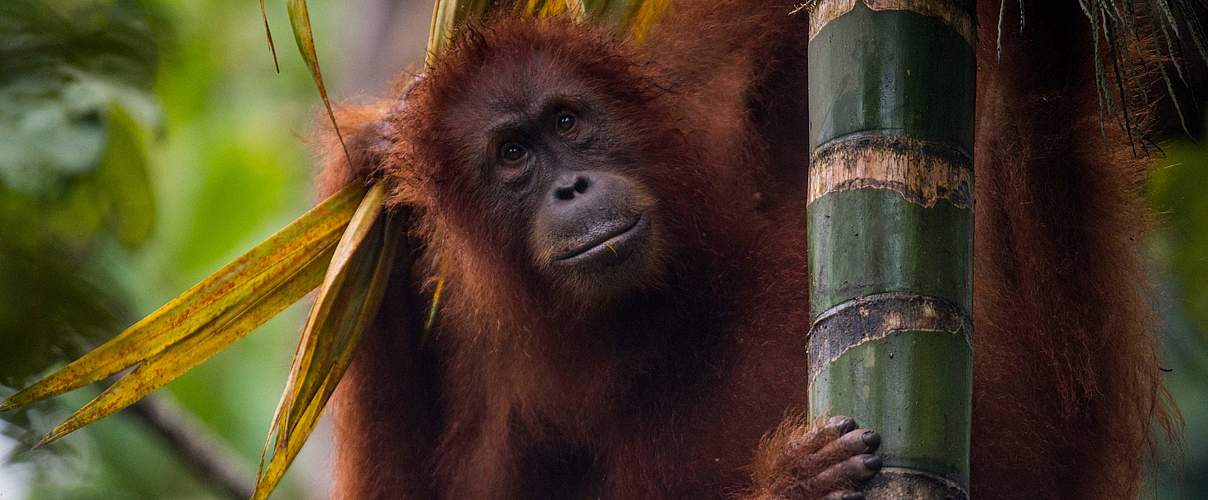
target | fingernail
x=873, y=462
x=871, y=439
x=847, y=424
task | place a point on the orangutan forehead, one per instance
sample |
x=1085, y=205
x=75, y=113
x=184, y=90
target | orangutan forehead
x=520, y=85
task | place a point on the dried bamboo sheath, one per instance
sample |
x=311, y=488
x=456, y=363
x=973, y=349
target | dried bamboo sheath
x=890, y=221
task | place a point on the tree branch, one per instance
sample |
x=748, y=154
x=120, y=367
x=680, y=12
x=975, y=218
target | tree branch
x=216, y=465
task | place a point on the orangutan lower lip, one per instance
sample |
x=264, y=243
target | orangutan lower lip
x=610, y=243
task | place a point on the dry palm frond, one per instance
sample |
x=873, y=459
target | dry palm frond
x=345, y=246
x=205, y=319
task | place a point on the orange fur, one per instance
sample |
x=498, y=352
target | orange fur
x=1067, y=383
x=517, y=393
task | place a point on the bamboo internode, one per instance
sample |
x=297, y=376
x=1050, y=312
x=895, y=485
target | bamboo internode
x=890, y=222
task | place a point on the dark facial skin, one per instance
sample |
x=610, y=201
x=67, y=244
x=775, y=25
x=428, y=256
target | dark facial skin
x=551, y=174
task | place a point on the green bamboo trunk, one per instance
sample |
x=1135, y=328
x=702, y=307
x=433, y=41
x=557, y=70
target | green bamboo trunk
x=890, y=221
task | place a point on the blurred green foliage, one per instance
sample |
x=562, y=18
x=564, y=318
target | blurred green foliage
x=1178, y=192
x=64, y=66
x=143, y=143
x=75, y=82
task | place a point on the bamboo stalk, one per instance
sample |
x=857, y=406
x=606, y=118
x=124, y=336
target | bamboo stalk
x=890, y=223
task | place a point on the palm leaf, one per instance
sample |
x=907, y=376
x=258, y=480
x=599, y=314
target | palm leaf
x=232, y=325
x=299, y=20
x=256, y=276
x=346, y=306
x=268, y=34
x=351, y=271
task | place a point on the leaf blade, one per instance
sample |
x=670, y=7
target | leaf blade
x=348, y=302
x=268, y=33
x=203, y=302
x=299, y=20
x=181, y=357
x=317, y=344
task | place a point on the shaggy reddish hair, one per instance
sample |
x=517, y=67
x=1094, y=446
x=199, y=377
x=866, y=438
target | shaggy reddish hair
x=1067, y=385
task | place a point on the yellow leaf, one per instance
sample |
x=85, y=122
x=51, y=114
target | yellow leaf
x=233, y=286
x=286, y=450
x=644, y=17
x=449, y=13
x=336, y=300
x=299, y=20
x=347, y=304
x=232, y=325
x=550, y=8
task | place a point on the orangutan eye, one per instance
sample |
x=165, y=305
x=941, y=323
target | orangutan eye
x=512, y=153
x=566, y=122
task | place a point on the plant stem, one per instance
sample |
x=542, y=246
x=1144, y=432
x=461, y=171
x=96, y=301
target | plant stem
x=890, y=231
x=199, y=449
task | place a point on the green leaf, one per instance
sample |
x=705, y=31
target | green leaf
x=50, y=306
x=347, y=303
x=75, y=83
x=123, y=174
x=62, y=66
